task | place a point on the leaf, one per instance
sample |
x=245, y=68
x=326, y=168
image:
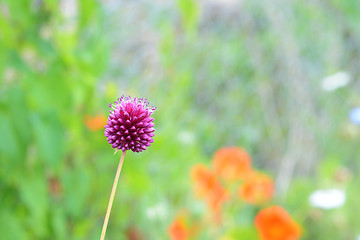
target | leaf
x=49, y=137
x=9, y=145
x=34, y=195
x=58, y=223
x=243, y=232
x=190, y=11
x=10, y=226
x=21, y=124
x=87, y=11
x=77, y=187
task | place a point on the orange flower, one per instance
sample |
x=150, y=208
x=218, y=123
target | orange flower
x=232, y=163
x=274, y=223
x=257, y=188
x=178, y=230
x=208, y=187
x=95, y=123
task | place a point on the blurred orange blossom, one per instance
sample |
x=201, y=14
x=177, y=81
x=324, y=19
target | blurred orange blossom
x=232, y=163
x=207, y=186
x=178, y=229
x=274, y=223
x=257, y=188
x=95, y=123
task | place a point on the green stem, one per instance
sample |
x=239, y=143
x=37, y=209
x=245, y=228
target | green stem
x=112, y=196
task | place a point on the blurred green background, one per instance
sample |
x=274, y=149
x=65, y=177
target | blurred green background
x=221, y=73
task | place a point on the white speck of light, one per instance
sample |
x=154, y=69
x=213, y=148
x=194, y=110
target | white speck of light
x=335, y=81
x=186, y=137
x=354, y=115
x=224, y=2
x=157, y=212
x=69, y=10
x=328, y=198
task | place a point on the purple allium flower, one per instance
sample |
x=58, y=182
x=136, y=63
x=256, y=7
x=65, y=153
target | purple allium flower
x=129, y=126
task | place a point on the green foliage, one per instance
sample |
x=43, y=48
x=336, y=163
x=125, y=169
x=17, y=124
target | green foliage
x=190, y=12
x=243, y=75
x=47, y=86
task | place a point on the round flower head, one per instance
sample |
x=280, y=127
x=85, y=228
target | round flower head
x=129, y=126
